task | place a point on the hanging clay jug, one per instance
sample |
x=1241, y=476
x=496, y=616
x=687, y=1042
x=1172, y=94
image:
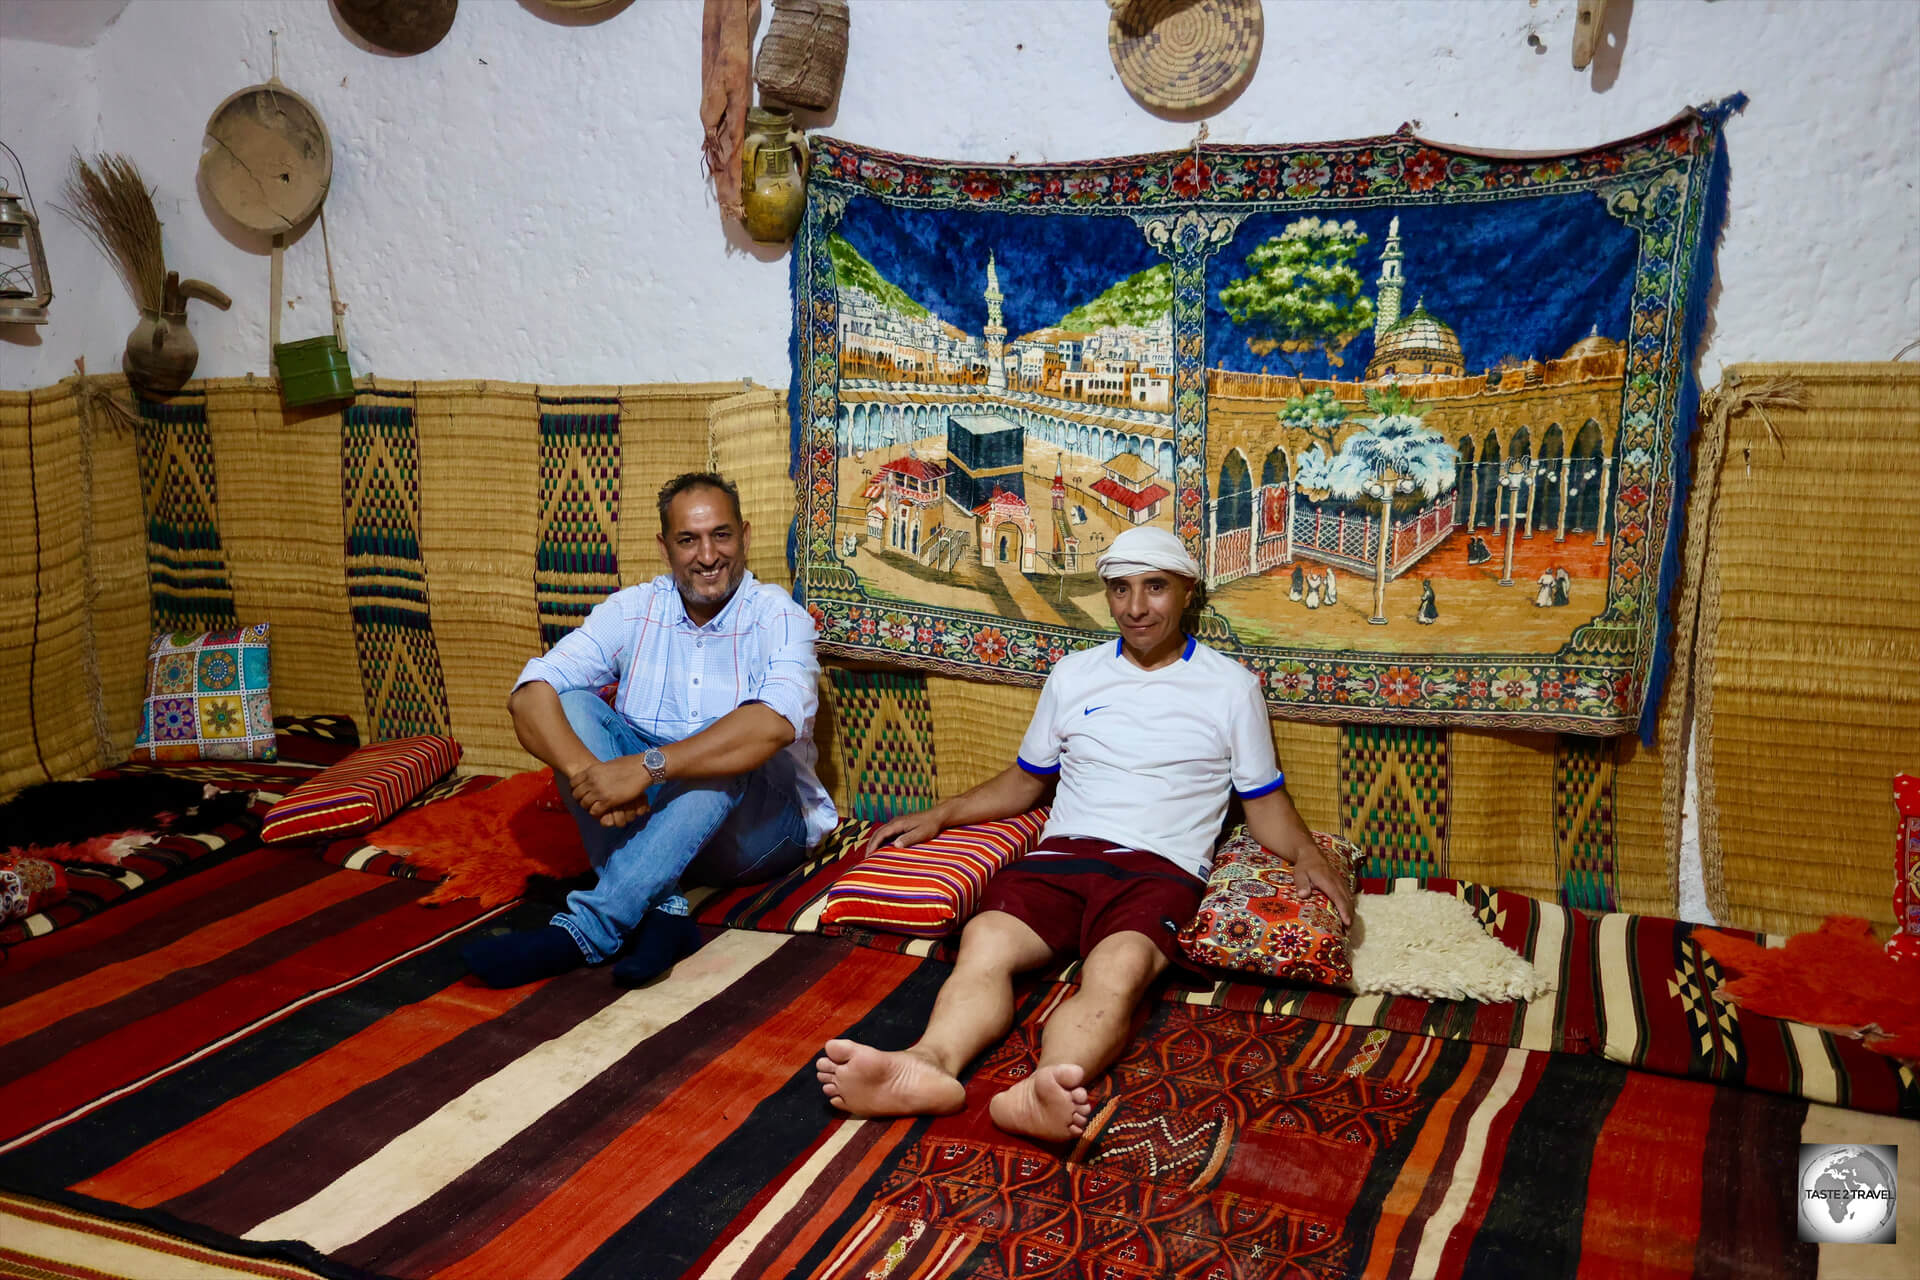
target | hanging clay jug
x=161, y=352
x=773, y=175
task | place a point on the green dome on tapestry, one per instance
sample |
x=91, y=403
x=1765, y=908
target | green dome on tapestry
x=1418, y=344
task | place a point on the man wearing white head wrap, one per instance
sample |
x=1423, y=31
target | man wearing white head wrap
x=1140, y=743
x=1143, y=549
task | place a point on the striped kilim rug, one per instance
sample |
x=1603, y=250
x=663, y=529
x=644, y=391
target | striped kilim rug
x=45, y=1241
x=301, y=753
x=277, y=1055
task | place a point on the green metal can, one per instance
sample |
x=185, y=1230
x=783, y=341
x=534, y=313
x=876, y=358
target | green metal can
x=313, y=371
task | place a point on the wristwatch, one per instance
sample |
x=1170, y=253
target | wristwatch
x=656, y=761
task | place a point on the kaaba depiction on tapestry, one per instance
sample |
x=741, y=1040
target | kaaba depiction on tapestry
x=1420, y=414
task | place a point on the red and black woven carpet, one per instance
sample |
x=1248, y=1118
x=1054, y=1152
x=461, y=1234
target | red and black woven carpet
x=283, y=1057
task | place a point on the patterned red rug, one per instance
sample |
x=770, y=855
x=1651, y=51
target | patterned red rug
x=1229, y=1145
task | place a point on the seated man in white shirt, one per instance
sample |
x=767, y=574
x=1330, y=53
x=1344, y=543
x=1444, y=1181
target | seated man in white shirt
x=702, y=764
x=1142, y=741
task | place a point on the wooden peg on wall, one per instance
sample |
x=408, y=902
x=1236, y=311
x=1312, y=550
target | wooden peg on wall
x=1586, y=31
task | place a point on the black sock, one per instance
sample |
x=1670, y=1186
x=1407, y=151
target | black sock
x=661, y=941
x=515, y=959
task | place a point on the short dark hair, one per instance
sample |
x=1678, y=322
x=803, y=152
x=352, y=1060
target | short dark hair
x=698, y=480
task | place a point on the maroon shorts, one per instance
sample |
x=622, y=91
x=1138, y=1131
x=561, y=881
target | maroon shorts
x=1074, y=891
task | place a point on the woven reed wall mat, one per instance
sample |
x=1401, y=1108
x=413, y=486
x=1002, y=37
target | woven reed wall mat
x=64, y=593
x=1809, y=642
x=281, y=524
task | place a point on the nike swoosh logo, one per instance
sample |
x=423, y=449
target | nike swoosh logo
x=1090, y=710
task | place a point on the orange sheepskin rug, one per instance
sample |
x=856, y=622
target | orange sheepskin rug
x=1837, y=977
x=487, y=844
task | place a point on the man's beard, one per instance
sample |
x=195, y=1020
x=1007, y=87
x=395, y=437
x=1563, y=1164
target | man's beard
x=694, y=588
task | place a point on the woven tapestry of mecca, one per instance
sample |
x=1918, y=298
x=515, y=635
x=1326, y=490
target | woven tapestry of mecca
x=1420, y=414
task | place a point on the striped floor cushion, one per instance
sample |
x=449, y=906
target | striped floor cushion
x=792, y=903
x=362, y=791
x=1657, y=1011
x=926, y=890
x=1541, y=931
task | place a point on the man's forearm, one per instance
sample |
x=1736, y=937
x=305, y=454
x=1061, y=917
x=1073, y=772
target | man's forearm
x=540, y=722
x=738, y=742
x=1012, y=791
x=1276, y=824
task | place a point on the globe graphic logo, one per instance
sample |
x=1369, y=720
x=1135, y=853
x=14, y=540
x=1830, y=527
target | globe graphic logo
x=1847, y=1195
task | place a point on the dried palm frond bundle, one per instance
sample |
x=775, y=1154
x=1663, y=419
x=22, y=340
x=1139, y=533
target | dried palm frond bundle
x=114, y=206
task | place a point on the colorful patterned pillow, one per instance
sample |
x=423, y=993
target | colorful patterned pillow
x=207, y=697
x=362, y=791
x=1254, y=920
x=29, y=885
x=927, y=889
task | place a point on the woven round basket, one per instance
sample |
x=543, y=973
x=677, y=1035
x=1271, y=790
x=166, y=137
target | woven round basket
x=804, y=53
x=1184, y=55
x=271, y=158
x=399, y=26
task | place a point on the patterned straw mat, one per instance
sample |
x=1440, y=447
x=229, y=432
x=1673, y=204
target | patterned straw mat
x=1808, y=703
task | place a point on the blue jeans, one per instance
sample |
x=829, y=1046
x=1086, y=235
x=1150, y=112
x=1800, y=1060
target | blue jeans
x=715, y=830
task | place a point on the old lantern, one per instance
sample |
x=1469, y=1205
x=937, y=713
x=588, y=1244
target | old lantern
x=25, y=289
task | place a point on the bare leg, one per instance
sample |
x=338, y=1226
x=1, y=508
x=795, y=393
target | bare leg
x=974, y=1009
x=1081, y=1040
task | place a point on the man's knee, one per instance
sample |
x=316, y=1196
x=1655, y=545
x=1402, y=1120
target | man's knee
x=1124, y=965
x=996, y=940
x=586, y=712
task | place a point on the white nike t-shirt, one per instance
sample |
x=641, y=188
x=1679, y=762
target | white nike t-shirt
x=1145, y=758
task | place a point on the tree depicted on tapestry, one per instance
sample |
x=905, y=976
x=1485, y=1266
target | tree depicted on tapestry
x=1302, y=293
x=1394, y=465
x=1449, y=448
x=1418, y=413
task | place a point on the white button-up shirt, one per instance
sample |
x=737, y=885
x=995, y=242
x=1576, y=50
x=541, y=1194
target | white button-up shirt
x=676, y=678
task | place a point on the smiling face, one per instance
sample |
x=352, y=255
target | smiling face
x=705, y=546
x=1147, y=608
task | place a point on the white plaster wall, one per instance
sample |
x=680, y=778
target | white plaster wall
x=48, y=109
x=525, y=200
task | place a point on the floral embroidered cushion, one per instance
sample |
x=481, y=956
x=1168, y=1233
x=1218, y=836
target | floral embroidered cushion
x=1254, y=920
x=29, y=885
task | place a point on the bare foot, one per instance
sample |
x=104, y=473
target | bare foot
x=865, y=1081
x=1049, y=1104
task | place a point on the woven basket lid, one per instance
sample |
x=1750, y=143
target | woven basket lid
x=270, y=159
x=399, y=26
x=1184, y=55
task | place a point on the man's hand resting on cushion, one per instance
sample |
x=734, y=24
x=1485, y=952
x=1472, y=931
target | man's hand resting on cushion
x=1311, y=871
x=906, y=830
x=614, y=791
x=1273, y=821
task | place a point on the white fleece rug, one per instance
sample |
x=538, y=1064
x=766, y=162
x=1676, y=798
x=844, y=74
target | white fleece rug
x=1431, y=945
